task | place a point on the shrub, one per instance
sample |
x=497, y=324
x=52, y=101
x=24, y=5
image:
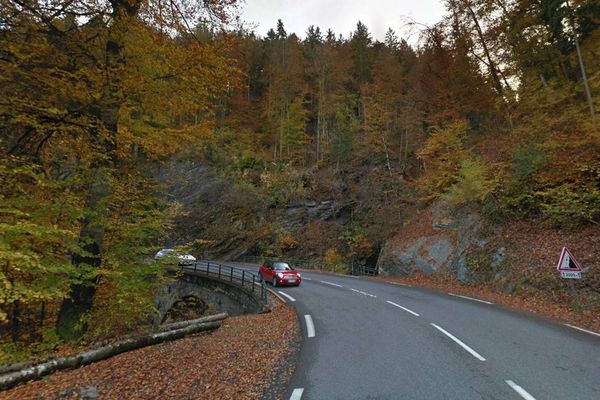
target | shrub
x=473, y=184
x=334, y=261
x=570, y=206
x=442, y=156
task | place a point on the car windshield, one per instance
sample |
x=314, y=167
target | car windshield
x=279, y=266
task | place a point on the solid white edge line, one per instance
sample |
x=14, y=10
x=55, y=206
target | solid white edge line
x=519, y=390
x=331, y=283
x=297, y=394
x=470, y=298
x=583, y=330
x=310, y=327
x=363, y=293
x=290, y=298
x=404, y=308
x=398, y=283
x=274, y=293
x=459, y=342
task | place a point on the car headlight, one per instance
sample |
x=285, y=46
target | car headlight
x=299, y=276
x=279, y=275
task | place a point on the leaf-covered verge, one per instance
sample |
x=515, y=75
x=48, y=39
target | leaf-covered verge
x=235, y=362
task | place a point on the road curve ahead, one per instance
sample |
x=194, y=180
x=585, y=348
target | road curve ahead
x=375, y=340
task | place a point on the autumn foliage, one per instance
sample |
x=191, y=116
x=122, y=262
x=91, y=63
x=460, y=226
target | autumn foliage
x=489, y=109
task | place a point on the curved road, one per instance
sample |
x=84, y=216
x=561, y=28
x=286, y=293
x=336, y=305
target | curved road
x=374, y=340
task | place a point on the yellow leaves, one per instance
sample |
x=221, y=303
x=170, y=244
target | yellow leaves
x=474, y=184
x=442, y=155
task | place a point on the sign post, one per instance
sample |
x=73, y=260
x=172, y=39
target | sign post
x=568, y=266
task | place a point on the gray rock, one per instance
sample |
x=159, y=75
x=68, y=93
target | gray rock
x=444, y=246
x=88, y=393
x=440, y=250
x=498, y=257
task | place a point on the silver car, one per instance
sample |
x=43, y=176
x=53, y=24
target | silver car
x=184, y=259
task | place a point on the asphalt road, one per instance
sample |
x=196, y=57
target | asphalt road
x=376, y=340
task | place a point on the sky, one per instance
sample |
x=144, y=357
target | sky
x=342, y=15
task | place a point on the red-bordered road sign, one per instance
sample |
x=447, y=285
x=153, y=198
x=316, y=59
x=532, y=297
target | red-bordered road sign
x=568, y=266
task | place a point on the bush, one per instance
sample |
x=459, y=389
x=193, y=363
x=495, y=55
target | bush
x=527, y=160
x=473, y=184
x=334, y=261
x=568, y=206
x=442, y=156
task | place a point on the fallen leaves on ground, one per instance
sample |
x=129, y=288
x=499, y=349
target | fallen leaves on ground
x=248, y=357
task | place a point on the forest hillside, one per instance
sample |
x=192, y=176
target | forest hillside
x=125, y=126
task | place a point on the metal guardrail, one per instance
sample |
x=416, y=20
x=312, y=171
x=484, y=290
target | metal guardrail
x=315, y=264
x=228, y=273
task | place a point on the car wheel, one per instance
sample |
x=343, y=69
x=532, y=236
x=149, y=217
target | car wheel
x=260, y=278
x=274, y=281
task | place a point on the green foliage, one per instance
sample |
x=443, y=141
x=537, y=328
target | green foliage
x=38, y=232
x=570, y=206
x=358, y=244
x=527, y=161
x=11, y=353
x=334, y=261
x=473, y=185
x=129, y=275
x=292, y=128
x=346, y=126
x=283, y=185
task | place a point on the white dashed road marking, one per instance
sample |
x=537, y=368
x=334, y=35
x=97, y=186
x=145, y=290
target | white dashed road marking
x=297, y=394
x=287, y=296
x=404, y=308
x=469, y=298
x=310, y=327
x=583, y=330
x=459, y=342
x=363, y=293
x=331, y=283
x=522, y=392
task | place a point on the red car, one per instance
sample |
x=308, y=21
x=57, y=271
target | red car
x=279, y=274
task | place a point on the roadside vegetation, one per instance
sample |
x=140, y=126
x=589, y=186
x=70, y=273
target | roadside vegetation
x=489, y=110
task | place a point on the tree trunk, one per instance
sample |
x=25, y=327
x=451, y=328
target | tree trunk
x=80, y=300
x=183, y=324
x=14, y=378
x=491, y=64
x=15, y=321
x=588, y=92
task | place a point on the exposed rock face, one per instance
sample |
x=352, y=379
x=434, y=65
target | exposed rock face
x=304, y=211
x=234, y=218
x=434, y=240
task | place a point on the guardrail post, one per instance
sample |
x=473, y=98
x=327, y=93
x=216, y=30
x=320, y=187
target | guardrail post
x=219, y=271
x=252, y=283
x=231, y=275
x=243, y=275
x=207, y=268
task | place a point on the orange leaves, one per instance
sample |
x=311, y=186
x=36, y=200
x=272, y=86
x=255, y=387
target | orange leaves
x=234, y=362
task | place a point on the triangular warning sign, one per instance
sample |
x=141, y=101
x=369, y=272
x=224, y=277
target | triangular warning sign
x=567, y=262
